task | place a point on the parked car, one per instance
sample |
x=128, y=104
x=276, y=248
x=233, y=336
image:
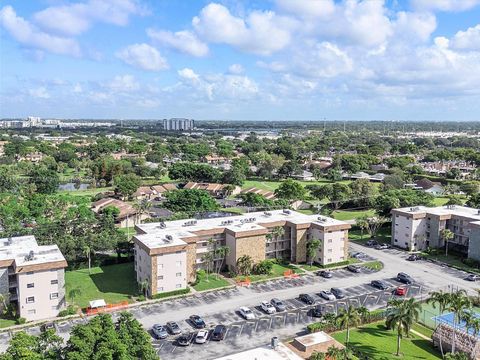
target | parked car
x=380, y=284
x=316, y=312
x=279, y=305
x=219, y=333
x=173, y=328
x=353, y=268
x=337, y=292
x=201, y=337
x=246, y=313
x=327, y=295
x=326, y=274
x=414, y=257
x=159, y=331
x=197, y=322
x=185, y=339
x=359, y=255
x=371, y=243
x=404, y=278
x=47, y=326
x=267, y=307
x=472, y=277
x=382, y=246
x=401, y=291
x=307, y=299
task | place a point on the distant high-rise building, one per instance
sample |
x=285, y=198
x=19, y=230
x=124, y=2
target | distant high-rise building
x=178, y=124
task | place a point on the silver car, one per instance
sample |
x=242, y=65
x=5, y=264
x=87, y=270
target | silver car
x=159, y=331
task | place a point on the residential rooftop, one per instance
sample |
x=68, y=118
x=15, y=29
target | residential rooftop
x=457, y=210
x=24, y=250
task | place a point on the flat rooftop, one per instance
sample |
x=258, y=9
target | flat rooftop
x=458, y=210
x=281, y=352
x=24, y=250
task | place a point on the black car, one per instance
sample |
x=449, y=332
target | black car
x=307, y=299
x=219, y=333
x=185, y=339
x=278, y=304
x=173, y=328
x=338, y=293
x=325, y=274
x=47, y=326
x=472, y=277
x=371, y=243
x=316, y=312
x=353, y=268
x=404, y=278
x=197, y=322
x=380, y=284
x=414, y=257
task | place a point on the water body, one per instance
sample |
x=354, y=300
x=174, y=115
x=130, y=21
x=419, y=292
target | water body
x=71, y=186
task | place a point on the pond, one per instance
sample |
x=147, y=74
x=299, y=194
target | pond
x=71, y=186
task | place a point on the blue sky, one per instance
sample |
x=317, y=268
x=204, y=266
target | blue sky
x=252, y=60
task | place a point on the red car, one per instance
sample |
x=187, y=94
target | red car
x=401, y=291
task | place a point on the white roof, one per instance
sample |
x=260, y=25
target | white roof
x=24, y=250
x=97, y=303
x=444, y=210
x=281, y=352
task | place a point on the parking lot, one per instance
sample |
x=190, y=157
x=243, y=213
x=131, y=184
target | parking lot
x=245, y=333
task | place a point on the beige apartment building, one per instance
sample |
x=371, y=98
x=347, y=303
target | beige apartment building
x=168, y=254
x=420, y=227
x=32, y=277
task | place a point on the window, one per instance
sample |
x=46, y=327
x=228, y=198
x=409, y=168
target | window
x=179, y=274
x=30, y=273
x=30, y=299
x=32, y=312
x=160, y=288
x=178, y=252
x=53, y=282
x=329, y=250
x=178, y=263
x=178, y=286
x=329, y=260
x=53, y=296
x=329, y=240
x=54, y=307
x=160, y=266
x=160, y=277
x=31, y=285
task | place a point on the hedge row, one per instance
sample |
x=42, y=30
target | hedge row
x=171, y=293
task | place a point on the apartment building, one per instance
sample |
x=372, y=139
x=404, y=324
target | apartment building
x=419, y=227
x=168, y=254
x=32, y=277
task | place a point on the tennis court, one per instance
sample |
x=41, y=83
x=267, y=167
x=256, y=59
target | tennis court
x=448, y=319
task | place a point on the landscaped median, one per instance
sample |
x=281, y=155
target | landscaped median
x=278, y=271
x=317, y=267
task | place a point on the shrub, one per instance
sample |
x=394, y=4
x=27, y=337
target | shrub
x=20, y=321
x=171, y=293
x=70, y=310
x=264, y=267
x=141, y=298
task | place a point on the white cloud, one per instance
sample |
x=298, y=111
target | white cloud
x=308, y=8
x=188, y=74
x=236, y=69
x=183, y=41
x=40, y=93
x=261, y=33
x=467, y=40
x=77, y=88
x=445, y=5
x=143, y=56
x=412, y=26
x=77, y=18
x=123, y=83
x=30, y=36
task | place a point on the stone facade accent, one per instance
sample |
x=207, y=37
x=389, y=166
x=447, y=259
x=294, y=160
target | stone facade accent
x=253, y=246
x=153, y=279
x=4, y=282
x=191, y=259
x=300, y=236
x=61, y=289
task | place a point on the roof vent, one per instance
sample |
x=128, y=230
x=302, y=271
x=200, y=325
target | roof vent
x=162, y=225
x=286, y=211
x=30, y=256
x=190, y=223
x=266, y=213
x=322, y=219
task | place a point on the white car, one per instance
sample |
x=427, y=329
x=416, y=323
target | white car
x=201, y=337
x=327, y=295
x=246, y=313
x=268, y=308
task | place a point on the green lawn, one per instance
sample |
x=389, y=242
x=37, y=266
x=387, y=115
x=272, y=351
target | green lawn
x=129, y=231
x=86, y=192
x=213, y=282
x=374, y=265
x=6, y=323
x=315, y=267
x=453, y=260
x=353, y=214
x=235, y=210
x=113, y=283
x=425, y=331
x=378, y=343
x=384, y=235
x=277, y=271
x=272, y=185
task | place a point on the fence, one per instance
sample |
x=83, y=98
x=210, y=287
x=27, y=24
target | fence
x=107, y=308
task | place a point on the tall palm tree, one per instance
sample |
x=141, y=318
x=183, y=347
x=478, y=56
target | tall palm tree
x=278, y=231
x=244, y=264
x=312, y=247
x=362, y=223
x=459, y=303
x=207, y=259
x=400, y=317
x=446, y=236
x=442, y=299
x=88, y=252
x=74, y=293
x=142, y=207
x=223, y=252
x=364, y=313
x=346, y=318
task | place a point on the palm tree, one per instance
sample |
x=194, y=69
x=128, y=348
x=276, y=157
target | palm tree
x=244, y=264
x=222, y=251
x=362, y=223
x=312, y=247
x=459, y=303
x=3, y=300
x=74, y=293
x=87, y=251
x=412, y=310
x=400, y=317
x=142, y=207
x=364, y=313
x=442, y=299
x=346, y=318
x=329, y=318
x=334, y=353
x=278, y=231
x=446, y=236
x=471, y=322
x=143, y=286
x=207, y=258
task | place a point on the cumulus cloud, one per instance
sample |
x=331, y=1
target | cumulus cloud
x=412, y=26
x=76, y=18
x=123, y=83
x=183, y=41
x=143, y=56
x=236, y=69
x=261, y=32
x=40, y=93
x=445, y=5
x=32, y=37
x=308, y=8
x=467, y=40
